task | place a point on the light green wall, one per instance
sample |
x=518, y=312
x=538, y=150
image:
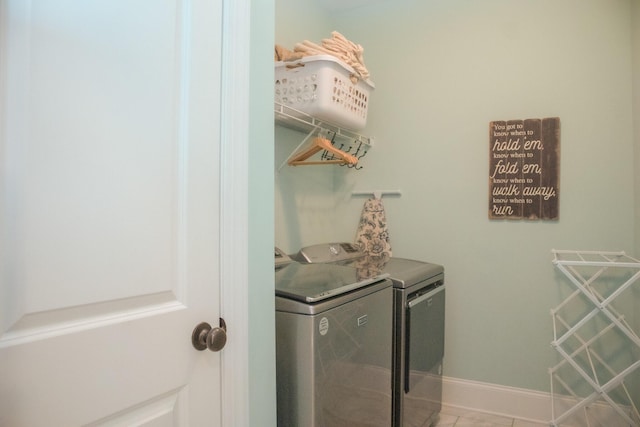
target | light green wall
x=262, y=383
x=301, y=20
x=304, y=195
x=635, y=25
x=443, y=70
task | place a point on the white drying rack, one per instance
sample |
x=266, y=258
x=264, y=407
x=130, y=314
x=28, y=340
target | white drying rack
x=585, y=269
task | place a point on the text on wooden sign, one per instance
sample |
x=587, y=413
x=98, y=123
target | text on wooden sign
x=524, y=166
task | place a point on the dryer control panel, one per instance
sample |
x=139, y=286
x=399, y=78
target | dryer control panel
x=328, y=252
x=281, y=259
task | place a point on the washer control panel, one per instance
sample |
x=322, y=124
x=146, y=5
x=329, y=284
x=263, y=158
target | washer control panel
x=281, y=259
x=328, y=252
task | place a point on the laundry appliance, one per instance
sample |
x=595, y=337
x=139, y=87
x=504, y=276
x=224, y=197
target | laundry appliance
x=418, y=326
x=333, y=346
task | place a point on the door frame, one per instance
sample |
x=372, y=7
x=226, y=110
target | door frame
x=234, y=210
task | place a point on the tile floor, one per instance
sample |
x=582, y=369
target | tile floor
x=456, y=417
x=453, y=417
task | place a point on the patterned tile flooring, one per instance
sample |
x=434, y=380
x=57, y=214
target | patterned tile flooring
x=454, y=417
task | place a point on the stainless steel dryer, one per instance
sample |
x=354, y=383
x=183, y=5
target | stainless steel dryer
x=418, y=346
x=333, y=347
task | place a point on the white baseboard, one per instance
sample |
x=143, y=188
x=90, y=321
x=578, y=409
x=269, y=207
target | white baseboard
x=512, y=402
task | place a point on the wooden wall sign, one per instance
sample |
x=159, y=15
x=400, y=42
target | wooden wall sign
x=524, y=166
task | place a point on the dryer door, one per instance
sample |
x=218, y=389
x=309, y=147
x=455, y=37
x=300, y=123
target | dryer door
x=424, y=352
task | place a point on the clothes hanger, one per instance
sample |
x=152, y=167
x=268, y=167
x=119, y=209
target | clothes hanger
x=318, y=144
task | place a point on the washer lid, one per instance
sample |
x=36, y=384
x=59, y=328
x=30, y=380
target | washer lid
x=316, y=282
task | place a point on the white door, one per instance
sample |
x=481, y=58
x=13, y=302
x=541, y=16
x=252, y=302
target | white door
x=109, y=256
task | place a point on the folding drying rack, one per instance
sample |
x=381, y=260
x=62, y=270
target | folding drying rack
x=599, y=278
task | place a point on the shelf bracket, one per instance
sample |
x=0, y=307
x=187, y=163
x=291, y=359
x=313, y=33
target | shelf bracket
x=304, y=141
x=302, y=122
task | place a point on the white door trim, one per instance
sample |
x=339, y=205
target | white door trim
x=234, y=251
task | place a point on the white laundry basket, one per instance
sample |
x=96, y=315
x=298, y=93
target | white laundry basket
x=326, y=88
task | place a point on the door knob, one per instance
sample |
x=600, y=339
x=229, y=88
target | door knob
x=204, y=336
